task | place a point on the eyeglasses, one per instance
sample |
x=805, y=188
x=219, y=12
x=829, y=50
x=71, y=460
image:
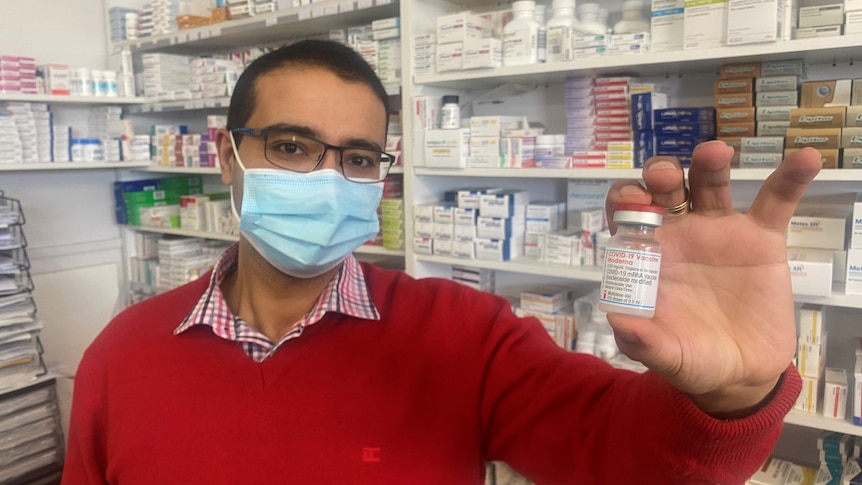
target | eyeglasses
x=299, y=153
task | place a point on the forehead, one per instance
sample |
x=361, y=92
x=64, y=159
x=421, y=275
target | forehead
x=314, y=97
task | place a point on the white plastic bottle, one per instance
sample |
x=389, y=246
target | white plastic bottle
x=521, y=36
x=634, y=21
x=632, y=262
x=450, y=113
x=588, y=19
x=540, y=16
x=562, y=22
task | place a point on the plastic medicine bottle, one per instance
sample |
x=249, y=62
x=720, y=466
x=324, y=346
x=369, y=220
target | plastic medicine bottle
x=521, y=36
x=562, y=21
x=588, y=19
x=634, y=21
x=450, y=113
x=632, y=262
x=540, y=16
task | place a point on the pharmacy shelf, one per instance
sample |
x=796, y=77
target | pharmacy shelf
x=371, y=249
x=186, y=233
x=50, y=166
x=838, y=298
x=55, y=99
x=366, y=249
x=817, y=421
x=813, y=51
x=741, y=174
x=35, y=382
x=275, y=27
x=523, y=265
x=183, y=170
x=156, y=106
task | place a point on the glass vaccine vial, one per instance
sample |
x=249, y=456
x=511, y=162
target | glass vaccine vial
x=632, y=262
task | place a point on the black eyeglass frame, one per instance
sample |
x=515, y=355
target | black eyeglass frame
x=265, y=132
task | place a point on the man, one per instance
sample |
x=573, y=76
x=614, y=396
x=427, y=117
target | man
x=293, y=363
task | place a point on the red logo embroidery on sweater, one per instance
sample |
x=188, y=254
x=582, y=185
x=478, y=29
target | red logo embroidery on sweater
x=370, y=455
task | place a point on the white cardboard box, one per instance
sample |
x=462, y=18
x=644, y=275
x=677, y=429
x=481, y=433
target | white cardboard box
x=507, y=203
x=811, y=359
x=818, y=228
x=810, y=395
x=482, y=126
x=667, y=22
x=499, y=249
x=461, y=26
x=856, y=230
x=835, y=393
x=447, y=148
x=450, y=57
x=810, y=271
x=821, y=15
x=482, y=53
x=705, y=25
x=853, y=278
x=754, y=21
x=811, y=324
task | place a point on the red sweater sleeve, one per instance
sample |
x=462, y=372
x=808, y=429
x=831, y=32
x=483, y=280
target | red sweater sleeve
x=560, y=417
x=86, y=453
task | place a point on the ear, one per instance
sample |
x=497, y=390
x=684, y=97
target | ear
x=225, y=156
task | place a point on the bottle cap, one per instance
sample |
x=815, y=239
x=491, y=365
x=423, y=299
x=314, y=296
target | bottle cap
x=563, y=4
x=650, y=215
x=523, y=5
x=588, y=8
x=633, y=5
x=450, y=98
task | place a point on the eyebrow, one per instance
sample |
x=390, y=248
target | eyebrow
x=311, y=133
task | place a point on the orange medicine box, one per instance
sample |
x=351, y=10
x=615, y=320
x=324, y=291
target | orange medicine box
x=817, y=94
x=829, y=157
x=818, y=117
x=735, y=129
x=732, y=141
x=740, y=70
x=735, y=115
x=741, y=85
x=734, y=100
x=821, y=138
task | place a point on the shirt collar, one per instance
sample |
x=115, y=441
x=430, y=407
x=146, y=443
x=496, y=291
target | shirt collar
x=347, y=293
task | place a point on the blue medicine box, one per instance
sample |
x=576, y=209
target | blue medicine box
x=642, y=107
x=685, y=129
x=683, y=115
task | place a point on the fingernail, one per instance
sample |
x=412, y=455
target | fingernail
x=701, y=145
x=630, y=190
x=662, y=165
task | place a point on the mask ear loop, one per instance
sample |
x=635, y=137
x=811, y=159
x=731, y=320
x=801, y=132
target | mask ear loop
x=239, y=161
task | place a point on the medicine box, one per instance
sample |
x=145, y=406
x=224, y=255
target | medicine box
x=443, y=247
x=851, y=137
x=495, y=125
x=734, y=100
x=857, y=392
x=736, y=129
x=817, y=138
x=852, y=22
x=423, y=229
x=446, y=148
x=465, y=249
x=667, y=23
x=499, y=249
x=443, y=231
x=735, y=115
x=810, y=271
x=832, y=117
x=754, y=21
x=853, y=278
x=777, y=98
x=817, y=94
x=482, y=53
x=809, y=398
x=810, y=359
x=821, y=15
x=811, y=325
x=465, y=233
x=818, y=228
x=762, y=144
x=856, y=228
x=736, y=85
x=705, y=24
x=828, y=157
x=469, y=198
x=760, y=160
x=817, y=32
x=835, y=393
x=773, y=113
x=507, y=203
x=500, y=227
x=462, y=26
x=450, y=57
x=851, y=158
x=854, y=116
x=773, y=129
x=687, y=129
x=777, y=83
x=550, y=299
x=465, y=216
x=787, y=67
x=740, y=70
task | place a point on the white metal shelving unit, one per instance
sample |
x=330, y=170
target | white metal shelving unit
x=54, y=166
x=740, y=174
x=150, y=167
x=819, y=422
x=56, y=99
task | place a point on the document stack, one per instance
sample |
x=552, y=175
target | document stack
x=31, y=441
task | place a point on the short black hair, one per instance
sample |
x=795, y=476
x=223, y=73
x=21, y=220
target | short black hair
x=337, y=58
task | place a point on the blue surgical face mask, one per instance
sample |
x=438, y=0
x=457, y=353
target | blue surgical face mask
x=305, y=224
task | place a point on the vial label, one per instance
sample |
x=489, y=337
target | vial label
x=555, y=43
x=630, y=278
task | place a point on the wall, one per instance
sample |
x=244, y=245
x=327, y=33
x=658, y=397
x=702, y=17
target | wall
x=73, y=243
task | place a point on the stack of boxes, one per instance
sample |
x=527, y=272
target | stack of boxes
x=853, y=275
x=238, y=9
x=11, y=150
x=25, y=123
x=644, y=102
x=824, y=20
x=613, y=117
x=265, y=6
x=476, y=278
x=820, y=128
x=580, y=105
x=18, y=75
x=424, y=54
x=167, y=76
x=489, y=149
x=542, y=218
x=213, y=78
x=391, y=213
x=164, y=16
x=811, y=357
x=817, y=249
x=61, y=136
x=852, y=17
x=181, y=260
x=679, y=130
x=835, y=451
x=501, y=224
x=195, y=211
x=761, y=151
x=851, y=138
x=124, y=23
x=380, y=46
x=461, y=32
x=153, y=202
x=552, y=306
x=167, y=144
x=576, y=245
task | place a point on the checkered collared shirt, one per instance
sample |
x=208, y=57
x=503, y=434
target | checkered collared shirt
x=347, y=293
